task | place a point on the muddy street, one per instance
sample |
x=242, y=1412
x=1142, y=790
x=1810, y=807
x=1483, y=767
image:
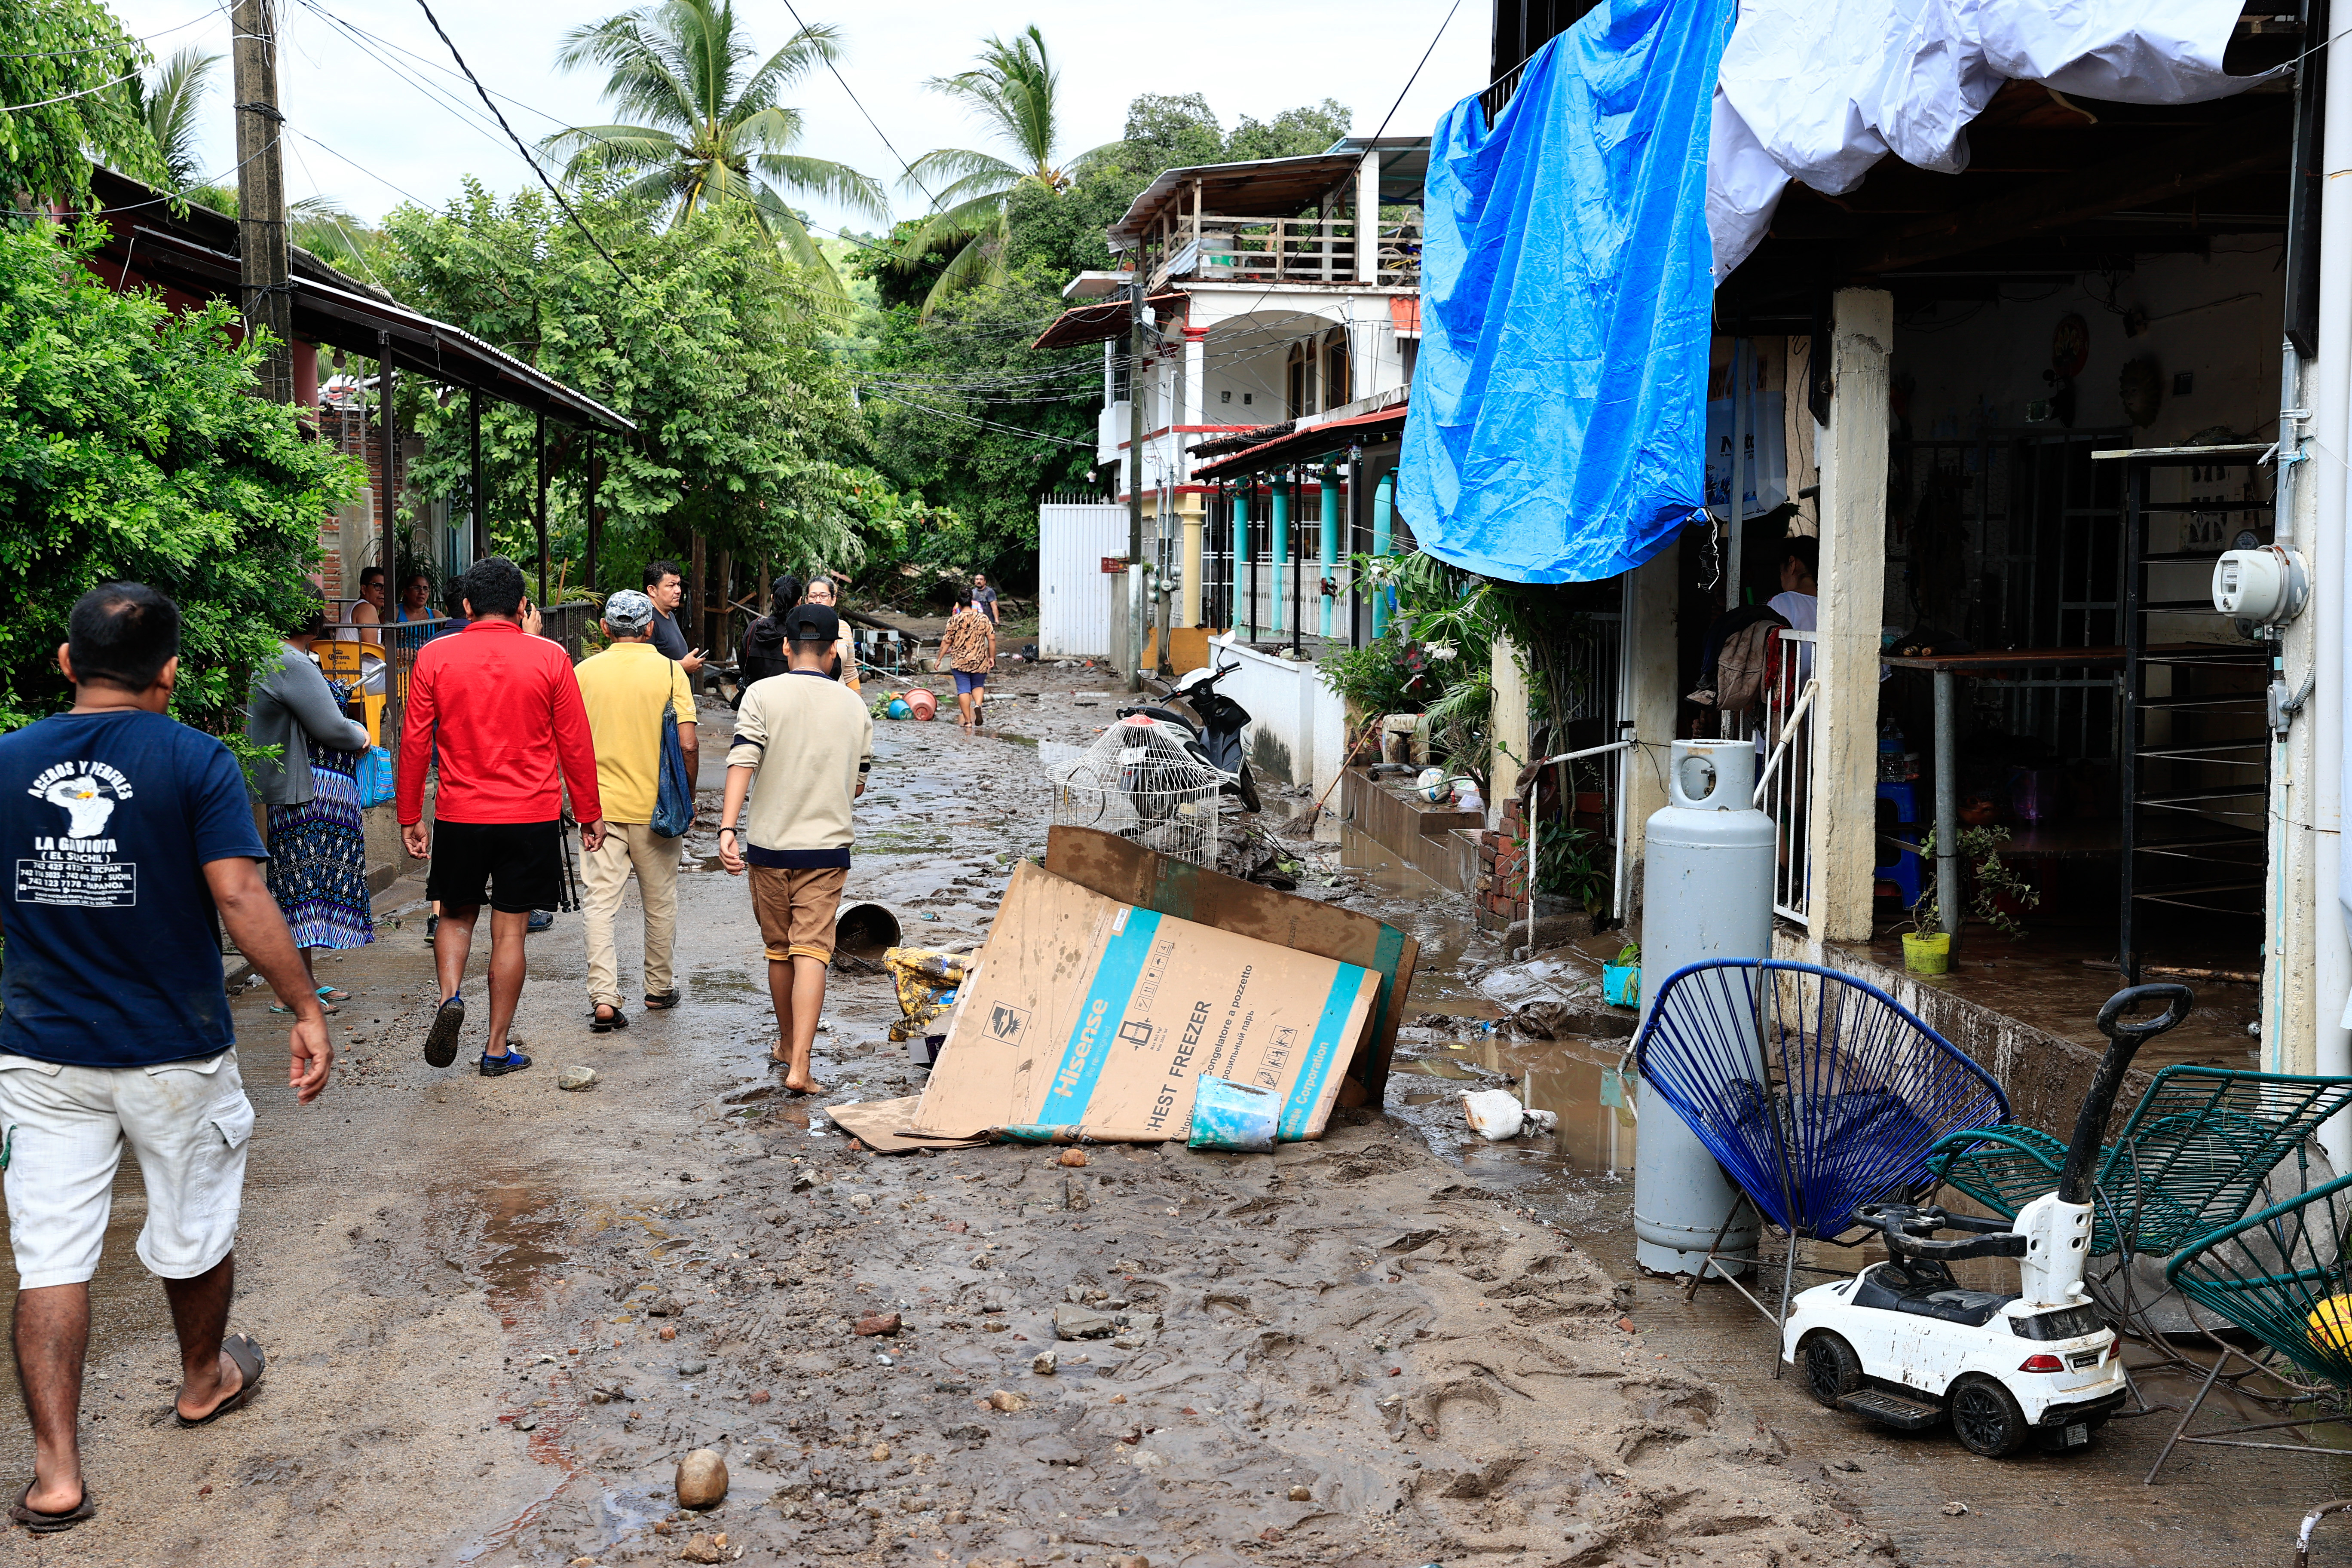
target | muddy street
x=499, y=1313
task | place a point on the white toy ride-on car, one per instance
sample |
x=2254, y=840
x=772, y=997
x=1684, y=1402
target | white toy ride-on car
x=1903, y=1343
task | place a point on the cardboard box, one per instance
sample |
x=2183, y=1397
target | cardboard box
x=1120, y=869
x=1082, y=1016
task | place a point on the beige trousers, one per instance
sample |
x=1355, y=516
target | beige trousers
x=604, y=874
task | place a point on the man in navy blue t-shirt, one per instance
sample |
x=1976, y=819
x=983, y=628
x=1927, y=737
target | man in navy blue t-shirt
x=128, y=840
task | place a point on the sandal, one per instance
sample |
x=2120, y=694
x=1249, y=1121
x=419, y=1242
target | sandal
x=662, y=1003
x=40, y=1523
x=329, y=1008
x=251, y=1362
x=334, y=994
x=598, y=1024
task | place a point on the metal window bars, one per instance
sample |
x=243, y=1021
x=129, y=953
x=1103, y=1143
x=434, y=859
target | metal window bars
x=1784, y=732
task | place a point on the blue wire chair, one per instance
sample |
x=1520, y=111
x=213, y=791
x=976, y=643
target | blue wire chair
x=1816, y=1091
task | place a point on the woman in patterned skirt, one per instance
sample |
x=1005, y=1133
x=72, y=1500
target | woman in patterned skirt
x=317, y=850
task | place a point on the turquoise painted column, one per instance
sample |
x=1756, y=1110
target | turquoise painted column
x=1383, y=535
x=1330, y=490
x=1238, y=556
x=1281, y=545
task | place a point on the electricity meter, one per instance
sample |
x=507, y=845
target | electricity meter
x=2265, y=585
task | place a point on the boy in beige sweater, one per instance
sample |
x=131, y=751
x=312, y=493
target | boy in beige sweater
x=803, y=743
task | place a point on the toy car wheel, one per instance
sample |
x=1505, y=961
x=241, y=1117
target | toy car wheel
x=1987, y=1418
x=1832, y=1369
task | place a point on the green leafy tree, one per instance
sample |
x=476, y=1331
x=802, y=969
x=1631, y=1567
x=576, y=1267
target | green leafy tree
x=1014, y=89
x=746, y=432
x=62, y=75
x=1171, y=131
x=131, y=446
x=704, y=125
x=1293, y=134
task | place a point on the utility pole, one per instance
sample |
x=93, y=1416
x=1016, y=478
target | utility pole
x=267, y=298
x=1137, y=337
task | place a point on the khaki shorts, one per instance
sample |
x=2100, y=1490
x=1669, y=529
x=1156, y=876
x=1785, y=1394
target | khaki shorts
x=66, y=1127
x=796, y=910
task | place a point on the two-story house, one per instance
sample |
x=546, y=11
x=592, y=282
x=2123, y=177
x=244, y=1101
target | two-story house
x=1285, y=296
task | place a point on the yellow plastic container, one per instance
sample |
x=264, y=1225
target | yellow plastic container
x=1928, y=954
x=2331, y=1326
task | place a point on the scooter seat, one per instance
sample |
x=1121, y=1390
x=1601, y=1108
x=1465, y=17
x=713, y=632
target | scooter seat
x=1948, y=1303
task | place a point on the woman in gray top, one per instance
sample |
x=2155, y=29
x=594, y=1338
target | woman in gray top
x=318, y=848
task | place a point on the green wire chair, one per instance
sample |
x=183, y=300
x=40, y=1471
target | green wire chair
x=2193, y=1156
x=2281, y=1276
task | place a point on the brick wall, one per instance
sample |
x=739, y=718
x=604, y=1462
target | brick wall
x=1502, y=886
x=355, y=434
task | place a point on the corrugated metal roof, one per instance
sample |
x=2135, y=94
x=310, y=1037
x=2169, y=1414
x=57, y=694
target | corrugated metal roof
x=1101, y=323
x=186, y=251
x=1278, y=187
x=1300, y=444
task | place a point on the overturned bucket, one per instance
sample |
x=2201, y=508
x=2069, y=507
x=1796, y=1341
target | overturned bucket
x=866, y=932
x=1237, y=1116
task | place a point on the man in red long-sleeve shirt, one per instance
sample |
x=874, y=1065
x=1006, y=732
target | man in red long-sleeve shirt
x=501, y=712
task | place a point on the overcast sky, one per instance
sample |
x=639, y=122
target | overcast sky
x=370, y=136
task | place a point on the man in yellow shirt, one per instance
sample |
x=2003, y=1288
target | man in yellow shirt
x=625, y=689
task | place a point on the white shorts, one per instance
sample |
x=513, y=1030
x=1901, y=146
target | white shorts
x=62, y=1129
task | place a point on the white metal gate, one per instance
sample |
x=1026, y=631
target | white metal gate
x=1074, y=594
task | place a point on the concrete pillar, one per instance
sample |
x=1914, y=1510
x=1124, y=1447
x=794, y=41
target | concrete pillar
x=1189, y=513
x=1281, y=487
x=1511, y=725
x=1650, y=690
x=1328, y=493
x=1367, y=218
x=1841, y=825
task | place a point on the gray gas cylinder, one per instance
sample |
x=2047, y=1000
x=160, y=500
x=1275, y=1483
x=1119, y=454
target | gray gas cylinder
x=1707, y=893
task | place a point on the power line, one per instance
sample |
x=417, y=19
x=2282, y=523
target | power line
x=427, y=9
x=1416, y=71
x=112, y=48
x=860, y=106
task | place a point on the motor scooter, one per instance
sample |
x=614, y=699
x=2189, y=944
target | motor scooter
x=1209, y=726
x=1903, y=1343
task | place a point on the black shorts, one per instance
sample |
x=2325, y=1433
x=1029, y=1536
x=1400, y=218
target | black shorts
x=510, y=866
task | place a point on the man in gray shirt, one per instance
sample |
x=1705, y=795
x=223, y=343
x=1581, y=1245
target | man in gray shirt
x=666, y=587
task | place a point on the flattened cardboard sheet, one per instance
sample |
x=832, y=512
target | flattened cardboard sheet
x=1087, y=1016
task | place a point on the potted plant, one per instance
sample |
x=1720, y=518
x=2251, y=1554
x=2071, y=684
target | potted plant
x=1620, y=982
x=1996, y=892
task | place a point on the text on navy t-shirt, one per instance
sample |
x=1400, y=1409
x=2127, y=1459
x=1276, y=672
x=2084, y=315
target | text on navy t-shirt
x=112, y=955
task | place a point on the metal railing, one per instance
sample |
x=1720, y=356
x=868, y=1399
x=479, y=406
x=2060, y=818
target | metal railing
x=1284, y=250
x=1784, y=782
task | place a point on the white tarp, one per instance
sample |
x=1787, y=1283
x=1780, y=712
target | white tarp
x=1819, y=90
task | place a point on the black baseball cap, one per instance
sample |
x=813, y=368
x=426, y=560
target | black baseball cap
x=811, y=622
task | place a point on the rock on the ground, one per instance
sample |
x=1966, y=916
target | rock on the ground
x=1075, y=1323
x=577, y=1078
x=701, y=1479
x=702, y=1549
x=1044, y=1363
x=874, y=1323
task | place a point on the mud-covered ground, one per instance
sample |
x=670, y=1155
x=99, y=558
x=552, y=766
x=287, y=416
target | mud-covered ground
x=498, y=1313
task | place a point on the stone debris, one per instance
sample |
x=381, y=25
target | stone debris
x=578, y=1077
x=1005, y=1399
x=1044, y=1363
x=701, y=1479
x=1076, y=1322
x=877, y=1323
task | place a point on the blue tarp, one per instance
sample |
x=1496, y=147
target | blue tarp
x=1557, y=431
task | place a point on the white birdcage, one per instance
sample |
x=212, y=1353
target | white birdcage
x=1139, y=781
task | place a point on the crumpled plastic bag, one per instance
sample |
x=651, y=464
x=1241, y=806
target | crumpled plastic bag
x=925, y=979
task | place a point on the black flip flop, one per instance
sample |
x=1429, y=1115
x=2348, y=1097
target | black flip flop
x=251, y=1362
x=441, y=1039
x=662, y=1003
x=601, y=1025
x=40, y=1523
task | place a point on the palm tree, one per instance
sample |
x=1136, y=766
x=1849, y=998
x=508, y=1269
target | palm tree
x=1014, y=90
x=168, y=102
x=701, y=129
